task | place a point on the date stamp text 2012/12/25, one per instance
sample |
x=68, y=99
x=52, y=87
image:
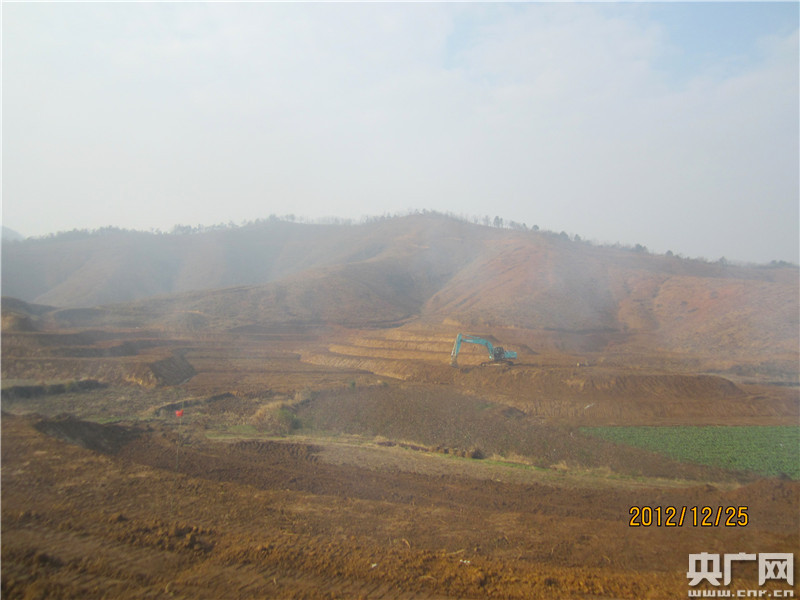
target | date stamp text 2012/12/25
x=690, y=516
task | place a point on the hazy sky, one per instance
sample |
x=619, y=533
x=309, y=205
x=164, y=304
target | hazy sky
x=670, y=125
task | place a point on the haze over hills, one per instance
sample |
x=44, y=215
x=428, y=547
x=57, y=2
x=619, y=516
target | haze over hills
x=83, y=269
x=394, y=271
x=10, y=235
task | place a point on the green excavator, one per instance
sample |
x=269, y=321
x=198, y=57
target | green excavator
x=497, y=354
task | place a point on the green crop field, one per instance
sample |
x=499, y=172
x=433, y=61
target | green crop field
x=773, y=451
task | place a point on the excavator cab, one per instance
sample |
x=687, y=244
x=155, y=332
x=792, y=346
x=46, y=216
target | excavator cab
x=498, y=353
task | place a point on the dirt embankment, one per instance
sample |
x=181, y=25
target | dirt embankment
x=444, y=420
x=596, y=389
x=112, y=357
x=15, y=322
x=16, y=392
x=583, y=395
x=147, y=371
x=171, y=370
x=109, y=439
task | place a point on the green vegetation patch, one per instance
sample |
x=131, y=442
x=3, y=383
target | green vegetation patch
x=773, y=451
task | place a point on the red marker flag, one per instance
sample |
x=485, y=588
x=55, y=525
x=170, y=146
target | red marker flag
x=179, y=413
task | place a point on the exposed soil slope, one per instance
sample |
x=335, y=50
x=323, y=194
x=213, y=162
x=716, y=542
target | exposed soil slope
x=398, y=270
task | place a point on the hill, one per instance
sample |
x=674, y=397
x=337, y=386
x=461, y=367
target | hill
x=10, y=235
x=421, y=268
x=79, y=269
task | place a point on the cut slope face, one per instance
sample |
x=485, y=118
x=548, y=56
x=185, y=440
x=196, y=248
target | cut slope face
x=551, y=284
x=531, y=282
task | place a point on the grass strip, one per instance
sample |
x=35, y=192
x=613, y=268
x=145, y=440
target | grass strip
x=768, y=450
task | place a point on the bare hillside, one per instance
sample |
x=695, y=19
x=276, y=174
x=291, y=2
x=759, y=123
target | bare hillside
x=425, y=268
x=81, y=269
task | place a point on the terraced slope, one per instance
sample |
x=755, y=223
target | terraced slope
x=555, y=388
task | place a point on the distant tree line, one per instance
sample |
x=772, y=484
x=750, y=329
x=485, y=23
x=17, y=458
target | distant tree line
x=273, y=219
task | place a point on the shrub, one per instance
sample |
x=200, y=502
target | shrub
x=275, y=417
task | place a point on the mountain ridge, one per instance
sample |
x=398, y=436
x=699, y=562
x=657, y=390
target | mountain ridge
x=421, y=267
